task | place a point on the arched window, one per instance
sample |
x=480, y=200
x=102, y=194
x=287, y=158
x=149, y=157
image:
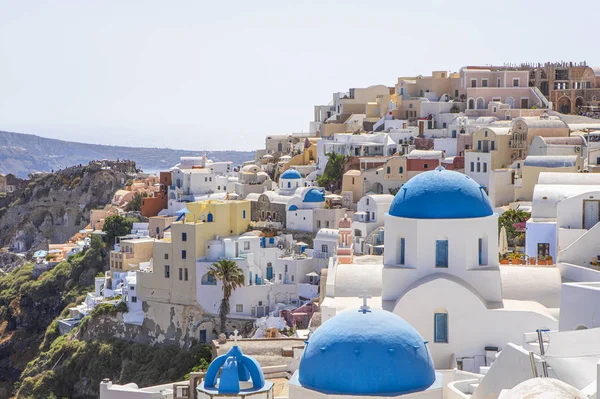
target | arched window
x=480, y=103
x=389, y=170
x=401, y=169
x=208, y=279
x=471, y=103
x=157, y=230
x=440, y=329
x=210, y=218
x=289, y=184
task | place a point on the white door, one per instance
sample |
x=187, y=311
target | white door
x=591, y=213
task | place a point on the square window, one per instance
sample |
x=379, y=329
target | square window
x=239, y=308
x=134, y=299
x=131, y=288
x=166, y=256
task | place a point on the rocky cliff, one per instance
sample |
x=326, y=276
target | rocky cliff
x=53, y=207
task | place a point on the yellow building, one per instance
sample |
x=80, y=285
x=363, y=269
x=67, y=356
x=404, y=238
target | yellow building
x=130, y=254
x=173, y=276
x=307, y=157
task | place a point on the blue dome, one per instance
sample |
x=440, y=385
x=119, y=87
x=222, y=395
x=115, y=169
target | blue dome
x=314, y=195
x=291, y=174
x=236, y=368
x=371, y=352
x=441, y=194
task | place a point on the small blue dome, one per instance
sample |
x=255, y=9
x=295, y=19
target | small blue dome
x=293, y=208
x=236, y=368
x=314, y=195
x=291, y=174
x=371, y=352
x=441, y=194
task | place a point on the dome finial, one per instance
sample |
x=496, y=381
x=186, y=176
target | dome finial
x=235, y=337
x=365, y=307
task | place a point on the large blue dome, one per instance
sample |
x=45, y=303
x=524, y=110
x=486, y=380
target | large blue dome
x=371, y=352
x=291, y=174
x=441, y=194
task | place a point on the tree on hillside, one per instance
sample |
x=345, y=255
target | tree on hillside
x=136, y=203
x=232, y=277
x=116, y=226
x=513, y=221
x=334, y=172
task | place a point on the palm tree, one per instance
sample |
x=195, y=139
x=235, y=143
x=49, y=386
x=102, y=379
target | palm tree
x=232, y=277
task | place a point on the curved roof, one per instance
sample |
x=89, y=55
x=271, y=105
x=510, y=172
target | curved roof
x=441, y=194
x=366, y=352
x=352, y=172
x=547, y=388
x=327, y=234
x=571, y=140
x=291, y=174
x=551, y=161
x=314, y=195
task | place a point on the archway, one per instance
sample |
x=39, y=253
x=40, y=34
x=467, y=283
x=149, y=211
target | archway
x=564, y=105
x=578, y=103
x=480, y=103
x=377, y=188
x=471, y=103
x=209, y=218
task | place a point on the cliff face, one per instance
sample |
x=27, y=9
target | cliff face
x=54, y=207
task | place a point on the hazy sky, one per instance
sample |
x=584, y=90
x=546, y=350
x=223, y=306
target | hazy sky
x=223, y=74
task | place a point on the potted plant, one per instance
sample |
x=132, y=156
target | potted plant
x=515, y=257
x=549, y=260
x=504, y=260
x=532, y=260
x=542, y=260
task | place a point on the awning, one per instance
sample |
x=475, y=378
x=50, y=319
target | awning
x=302, y=244
x=312, y=274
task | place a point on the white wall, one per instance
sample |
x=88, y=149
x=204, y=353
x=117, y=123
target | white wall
x=501, y=189
x=540, y=232
x=471, y=326
x=446, y=144
x=463, y=253
x=578, y=306
x=481, y=158
x=300, y=219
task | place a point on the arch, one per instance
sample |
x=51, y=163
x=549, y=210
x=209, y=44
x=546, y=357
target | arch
x=564, y=105
x=581, y=327
x=471, y=103
x=507, y=115
x=510, y=102
x=579, y=103
x=480, y=103
x=377, y=188
x=208, y=279
x=172, y=195
x=210, y=218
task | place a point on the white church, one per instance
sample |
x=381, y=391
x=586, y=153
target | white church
x=441, y=274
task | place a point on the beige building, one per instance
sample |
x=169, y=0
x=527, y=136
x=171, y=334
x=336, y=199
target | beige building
x=97, y=217
x=130, y=253
x=158, y=224
x=524, y=129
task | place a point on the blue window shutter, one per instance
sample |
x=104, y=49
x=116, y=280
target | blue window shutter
x=441, y=253
x=481, y=251
x=441, y=327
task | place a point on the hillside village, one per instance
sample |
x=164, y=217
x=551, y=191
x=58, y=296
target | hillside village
x=444, y=226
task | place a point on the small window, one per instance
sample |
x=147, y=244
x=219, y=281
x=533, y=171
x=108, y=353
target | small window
x=480, y=250
x=186, y=275
x=493, y=145
x=515, y=82
x=441, y=327
x=286, y=269
x=279, y=276
x=133, y=299
x=389, y=170
x=292, y=278
x=478, y=167
x=166, y=256
x=183, y=236
x=131, y=287
x=401, y=169
x=498, y=82
x=327, y=223
x=324, y=248
x=183, y=254
x=472, y=166
x=484, y=83
x=485, y=167
x=180, y=273
x=167, y=271
x=425, y=166
x=239, y=308
x=318, y=224
x=246, y=245
x=244, y=214
x=402, y=249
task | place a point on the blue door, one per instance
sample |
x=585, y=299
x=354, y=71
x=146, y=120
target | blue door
x=269, y=272
x=441, y=253
x=202, y=335
x=209, y=217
